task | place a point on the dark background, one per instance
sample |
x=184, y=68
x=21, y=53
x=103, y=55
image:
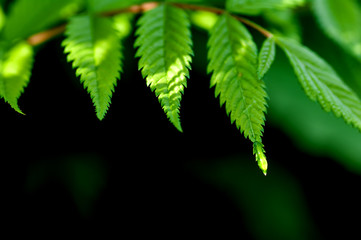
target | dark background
x=134, y=173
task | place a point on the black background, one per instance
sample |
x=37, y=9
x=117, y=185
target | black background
x=149, y=189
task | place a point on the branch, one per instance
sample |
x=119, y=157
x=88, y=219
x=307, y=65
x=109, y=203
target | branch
x=44, y=36
x=132, y=9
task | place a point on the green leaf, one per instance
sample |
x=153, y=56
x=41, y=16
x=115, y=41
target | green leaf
x=165, y=49
x=321, y=83
x=266, y=56
x=272, y=209
x=123, y=24
x=306, y=124
x=31, y=16
x=204, y=20
x=341, y=21
x=95, y=49
x=16, y=65
x=259, y=152
x=233, y=61
x=251, y=7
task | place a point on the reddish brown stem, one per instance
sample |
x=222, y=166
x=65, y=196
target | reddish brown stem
x=133, y=9
x=44, y=36
x=199, y=8
x=254, y=26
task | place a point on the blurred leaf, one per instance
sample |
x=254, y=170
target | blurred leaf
x=341, y=21
x=321, y=83
x=254, y=7
x=2, y=17
x=15, y=72
x=31, y=16
x=307, y=124
x=215, y=3
x=123, y=24
x=284, y=22
x=204, y=20
x=273, y=206
x=106, y=5
x=85, y=177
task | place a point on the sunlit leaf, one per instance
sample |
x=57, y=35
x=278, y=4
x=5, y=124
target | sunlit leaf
x=165, y=49
x=233, y=62
x=15, y=72
x=93, y=45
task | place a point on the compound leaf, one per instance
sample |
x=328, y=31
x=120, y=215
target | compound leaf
x=95, y=49
x=321, y=83
x=341, y=21
x=233, y=61
x=16, y=65
x=165, y=49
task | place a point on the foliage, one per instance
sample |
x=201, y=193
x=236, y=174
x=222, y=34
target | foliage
x=164, y=42
x=94, y=47
x=93, y=43
x=233, y=61
x=340, y=25
x=321, y=83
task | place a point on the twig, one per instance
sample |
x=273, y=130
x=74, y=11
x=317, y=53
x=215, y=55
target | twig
x=132, y=9
x=44, y=36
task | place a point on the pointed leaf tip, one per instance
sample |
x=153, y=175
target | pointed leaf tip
x=94, y=47
x=165, y=55
x=259, y=151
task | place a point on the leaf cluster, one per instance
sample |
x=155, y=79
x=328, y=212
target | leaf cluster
x=95, y=29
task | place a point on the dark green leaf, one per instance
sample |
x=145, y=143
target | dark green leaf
x=321, y=83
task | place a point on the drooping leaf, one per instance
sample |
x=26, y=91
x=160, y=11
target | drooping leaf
x=233, y=61
x=15, y=72
x=259, y=152
x=321, y=83
x=165, y=49
x=252, y=7
x=306, y=124
x=31, y=16
x=341, y=21
x=94, y=47
x=266, y=56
